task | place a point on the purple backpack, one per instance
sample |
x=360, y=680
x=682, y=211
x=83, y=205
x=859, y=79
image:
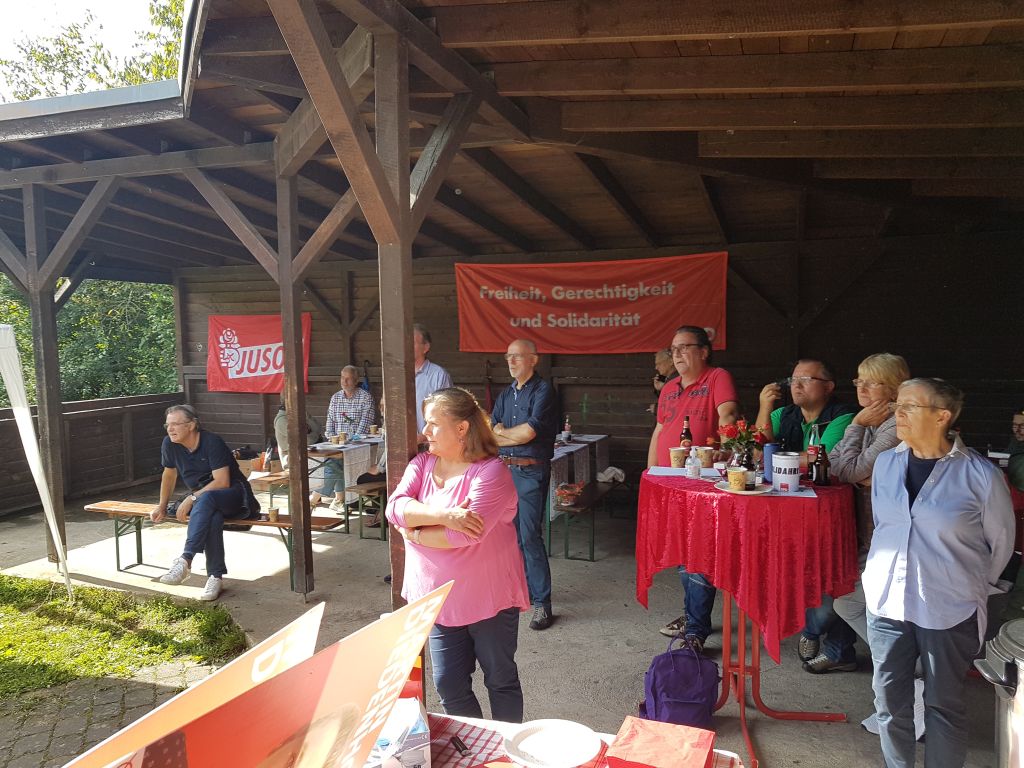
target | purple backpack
x=681, y=687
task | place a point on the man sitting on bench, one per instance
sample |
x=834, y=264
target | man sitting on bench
x=218, y=491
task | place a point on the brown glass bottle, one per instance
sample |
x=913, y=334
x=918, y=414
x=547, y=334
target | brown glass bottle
x=686, y=436
x=822, y=468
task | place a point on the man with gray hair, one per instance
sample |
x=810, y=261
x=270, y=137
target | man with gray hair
x=430, y=376
x=350, y=411
x=218, y=491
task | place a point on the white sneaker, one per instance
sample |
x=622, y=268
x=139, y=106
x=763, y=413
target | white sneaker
x=214, y=584
x=338, y=505
x=180, y=569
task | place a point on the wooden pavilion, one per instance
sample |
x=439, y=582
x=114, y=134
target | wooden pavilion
x=861, y=163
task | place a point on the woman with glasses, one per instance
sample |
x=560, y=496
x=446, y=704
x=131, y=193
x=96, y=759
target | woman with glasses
x=456, y=507
x=872, y=430
x=944, y=530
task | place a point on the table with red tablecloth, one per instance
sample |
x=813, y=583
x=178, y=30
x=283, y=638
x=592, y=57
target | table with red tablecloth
x=776, y=555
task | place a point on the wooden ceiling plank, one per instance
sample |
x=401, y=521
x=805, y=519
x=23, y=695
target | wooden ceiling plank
x=953, y=110
x=449, y=69
x=969, y=187
x=239, y=224
x=140, y=165
x=429, y=172
x=919, y=168
x=900, y=70
x=14, y=260
x=261, y=36
x=622, y=200
x=444, y=236
x=78, y=230
x=500, y=171
x=276, y=74
x=303, y=134
x=569, y=21
x=965, y=142
x=335, y=103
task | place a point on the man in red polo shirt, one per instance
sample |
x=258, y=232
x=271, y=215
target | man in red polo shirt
x=708, y=396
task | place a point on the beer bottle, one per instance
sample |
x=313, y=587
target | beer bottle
x=686, y=436
x=813, y=446
x=822, y=468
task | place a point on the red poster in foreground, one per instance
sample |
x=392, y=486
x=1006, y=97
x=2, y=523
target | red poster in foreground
x=595, y=307
x=244, y=353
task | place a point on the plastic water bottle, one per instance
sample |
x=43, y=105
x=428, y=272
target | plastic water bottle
x=692, y=465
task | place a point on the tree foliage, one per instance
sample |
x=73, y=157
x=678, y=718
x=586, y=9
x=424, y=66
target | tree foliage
x=74, y=60
x=114, y=339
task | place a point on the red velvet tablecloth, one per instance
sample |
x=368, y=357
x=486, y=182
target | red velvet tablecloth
x=776, y=555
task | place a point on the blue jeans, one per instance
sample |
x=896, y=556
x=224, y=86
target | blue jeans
x=839, y=636
x=945, y=656
x=334, y=478
x=700, y=599
x=532, y=486
x=206, y=525
x=454, y=652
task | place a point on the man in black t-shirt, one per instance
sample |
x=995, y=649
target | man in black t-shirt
x=218, y=491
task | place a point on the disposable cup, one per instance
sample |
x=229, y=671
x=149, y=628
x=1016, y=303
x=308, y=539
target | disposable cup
x=707, y=456
x=678, y=457
x=737, y=478
x=272, y=514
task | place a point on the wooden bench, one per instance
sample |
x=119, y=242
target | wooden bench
x=372, y=497
x=593, y=495
x=128, y=517
x=270, y=483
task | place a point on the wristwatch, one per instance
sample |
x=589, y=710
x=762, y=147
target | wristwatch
x=193, y=497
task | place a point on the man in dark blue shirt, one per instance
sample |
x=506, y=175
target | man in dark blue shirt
x=218, y=491
x=525, y=419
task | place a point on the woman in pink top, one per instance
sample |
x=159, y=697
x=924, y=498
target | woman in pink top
x=456, y=507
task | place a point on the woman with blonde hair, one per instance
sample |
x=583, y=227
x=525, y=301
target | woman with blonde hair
x=872, y=431
x=456, y=507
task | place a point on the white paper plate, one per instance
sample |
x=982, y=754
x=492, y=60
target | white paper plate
x=723, y=485
x=552, y=744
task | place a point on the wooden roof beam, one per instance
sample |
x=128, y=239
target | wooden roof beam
x=710, y=204
x=445, y=237
x=969, y=187
x=447, y=68
x=905, y=70
x=926, y=142
x=75, y=278
x=321, y=240
x=13, y=259
x=261, y=36
x=500, y=171
x=619, y=197
x=457, y=202
x=921, y=168
x=338, y=109
x=139, y=165
x=954, y=110
x=78, y=230
x=564, y=22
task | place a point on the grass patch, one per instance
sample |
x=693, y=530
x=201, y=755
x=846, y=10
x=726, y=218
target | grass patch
x=46, y=640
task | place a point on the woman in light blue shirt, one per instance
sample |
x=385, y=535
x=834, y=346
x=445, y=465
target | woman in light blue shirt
x=944, y=530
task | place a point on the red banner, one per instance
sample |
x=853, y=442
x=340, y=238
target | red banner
x=245, y=353
x=601, y=307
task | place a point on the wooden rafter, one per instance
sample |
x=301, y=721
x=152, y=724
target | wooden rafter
x=261, y=35
x=952, y=110
x=275, y=73
x=327, y=85
x=139, y=165
x=321, y=240
x=447, y=68
x=969, y=187
x=14, y=260
x=236, y=221
x=432, y=165
x=711, y=207
x=904, y=70
x=564, y=22
x=500, y=171
x=79, y=228
x=926, y=142
x=620, y=198
x=74, y=279
x=921, y=168
x=458, y=203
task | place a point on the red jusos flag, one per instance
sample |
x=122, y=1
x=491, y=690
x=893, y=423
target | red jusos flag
x=591, y=307
x=245, y=353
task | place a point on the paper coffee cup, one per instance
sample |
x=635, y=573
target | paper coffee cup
x=678, y=457
x=373, y=429
x=737, y=478
x=272, y=514
x=707, y=456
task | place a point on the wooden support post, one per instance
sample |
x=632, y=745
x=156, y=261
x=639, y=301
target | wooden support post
x=395, y=276
x=50, y=423
x=295, y=395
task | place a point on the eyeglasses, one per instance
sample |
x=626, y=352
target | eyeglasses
x=170, y=424
x=910, y=408
x=802, y=380
x=680, y=349
x=516, y=356
x=858, y=383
